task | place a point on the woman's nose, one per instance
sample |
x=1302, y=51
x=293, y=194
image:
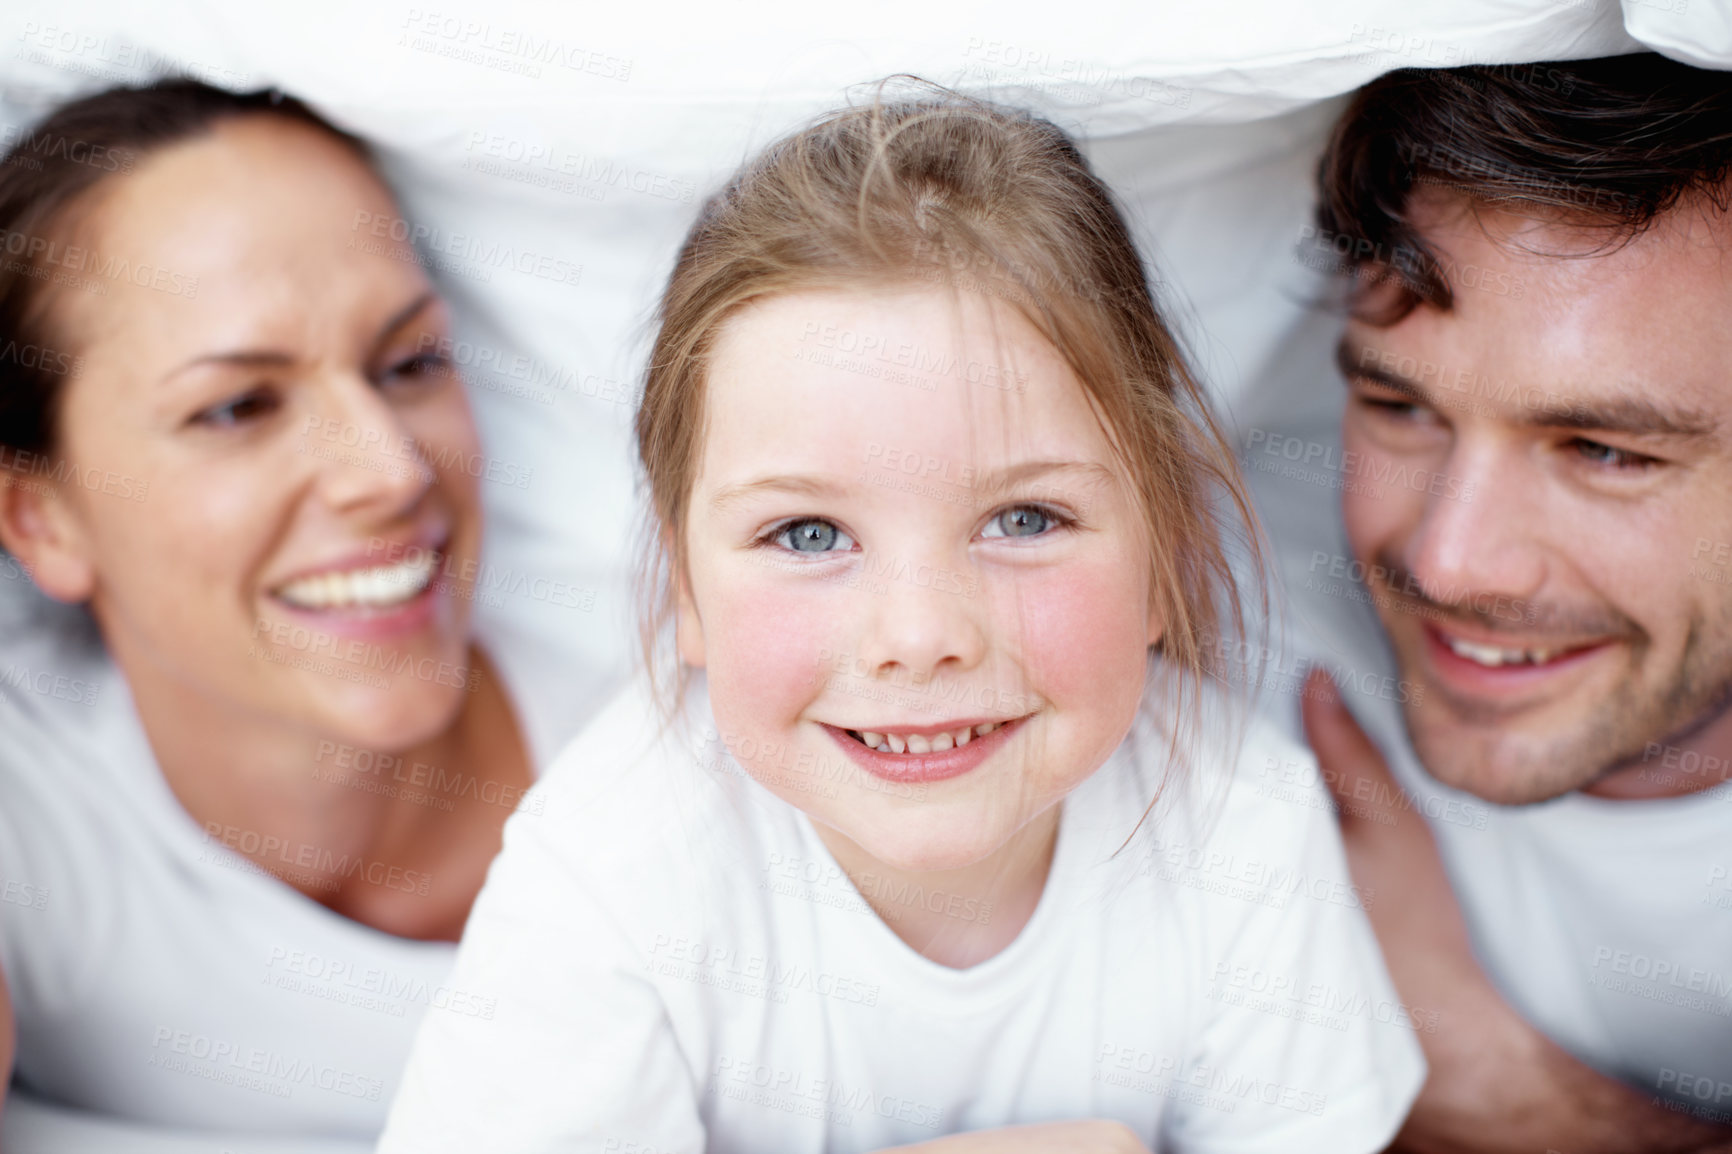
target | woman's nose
x=369, y=458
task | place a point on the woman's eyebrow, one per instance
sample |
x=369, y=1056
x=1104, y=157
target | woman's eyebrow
x=276, y=358
x=402, y=317
x=242, y=358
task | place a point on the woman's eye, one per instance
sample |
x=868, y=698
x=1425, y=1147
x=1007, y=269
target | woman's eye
x=424, y=365
x=1022, y=521
x=238, y=410
x=812, y=536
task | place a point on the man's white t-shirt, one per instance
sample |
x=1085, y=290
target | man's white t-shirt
x=159, y=976
x=1606, y=924
x=680, y=965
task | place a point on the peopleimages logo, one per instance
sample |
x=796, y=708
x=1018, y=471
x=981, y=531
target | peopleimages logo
x=46, y=251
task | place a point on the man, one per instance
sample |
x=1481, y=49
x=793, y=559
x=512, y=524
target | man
x=1535, y=482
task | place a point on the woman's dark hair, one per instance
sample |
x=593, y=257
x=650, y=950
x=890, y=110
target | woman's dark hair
x=1610, y=144
x=47, y=171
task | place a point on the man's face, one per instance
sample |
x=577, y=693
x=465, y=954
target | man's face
x=1543, y=497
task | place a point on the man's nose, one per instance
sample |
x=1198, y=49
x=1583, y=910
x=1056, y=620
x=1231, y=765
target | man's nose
x=1482, y=531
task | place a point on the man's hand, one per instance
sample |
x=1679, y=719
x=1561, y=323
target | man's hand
x=1497, y=1085
x=1046, y=1138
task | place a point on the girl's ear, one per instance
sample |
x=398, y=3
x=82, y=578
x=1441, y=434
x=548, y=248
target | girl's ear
x=39, y=527
x=688, y=628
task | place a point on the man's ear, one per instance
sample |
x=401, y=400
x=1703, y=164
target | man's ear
x=38, y=527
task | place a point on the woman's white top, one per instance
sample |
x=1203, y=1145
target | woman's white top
x=677, y=964
x=156, y=973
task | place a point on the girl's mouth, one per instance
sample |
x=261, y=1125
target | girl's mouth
x=918, y=758
x=923, y=743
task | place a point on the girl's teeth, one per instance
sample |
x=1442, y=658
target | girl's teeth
x=918, y=743
x=382, y=585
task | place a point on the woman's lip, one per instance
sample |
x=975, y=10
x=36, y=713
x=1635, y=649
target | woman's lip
x=376, y=555
x=920, y=768
x=369, y=623
x=1468, y=676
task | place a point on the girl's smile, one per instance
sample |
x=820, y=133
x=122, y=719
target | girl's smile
x=914, y=755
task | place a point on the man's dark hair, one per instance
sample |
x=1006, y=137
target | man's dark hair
x=1611, y=144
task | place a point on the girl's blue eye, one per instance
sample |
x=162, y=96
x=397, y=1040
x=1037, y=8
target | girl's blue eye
x=1022, y=521
x=812, y=536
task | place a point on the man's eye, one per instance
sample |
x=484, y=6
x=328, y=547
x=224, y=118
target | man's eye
x=249, y=406
x=812, y=536
x=1020, y=521
x=1611, y=457
x=1390, y=406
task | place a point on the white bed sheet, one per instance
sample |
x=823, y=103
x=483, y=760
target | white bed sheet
x=1207, y=123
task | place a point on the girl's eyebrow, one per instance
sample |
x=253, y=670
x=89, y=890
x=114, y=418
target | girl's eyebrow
x=988, y=485
x=803, y=484
x=1011, y=476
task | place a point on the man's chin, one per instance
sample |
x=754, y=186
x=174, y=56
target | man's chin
x=1500, y=765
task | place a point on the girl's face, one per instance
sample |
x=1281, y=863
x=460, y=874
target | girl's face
x=290, y=463
x=915, y=576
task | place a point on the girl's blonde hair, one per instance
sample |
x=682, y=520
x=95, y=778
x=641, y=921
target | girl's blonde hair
x=949, y=190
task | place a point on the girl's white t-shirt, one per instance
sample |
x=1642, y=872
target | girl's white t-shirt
x=156, y=974
x=677, y=964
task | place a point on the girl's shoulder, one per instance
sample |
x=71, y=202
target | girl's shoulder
x=637, y=791
x=1232, y=779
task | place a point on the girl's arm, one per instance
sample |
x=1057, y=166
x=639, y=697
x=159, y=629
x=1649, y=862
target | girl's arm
x=1046, y=1138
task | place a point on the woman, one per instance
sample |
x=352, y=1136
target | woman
x=239, y=838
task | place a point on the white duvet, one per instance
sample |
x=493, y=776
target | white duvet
x=554, y=156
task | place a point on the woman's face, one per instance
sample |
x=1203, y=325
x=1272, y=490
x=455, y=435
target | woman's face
x=264, y=375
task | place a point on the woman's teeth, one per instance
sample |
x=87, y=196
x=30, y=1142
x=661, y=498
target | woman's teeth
x=920, y=743
x=378, y=587
x=1494, y=655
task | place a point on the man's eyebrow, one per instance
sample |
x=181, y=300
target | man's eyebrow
x=1634, y=416
x=1352, y=361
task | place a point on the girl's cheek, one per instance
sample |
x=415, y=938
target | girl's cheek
x=769, y=646
x=1081, y=632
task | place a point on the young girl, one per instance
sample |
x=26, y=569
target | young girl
x=902, y=852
